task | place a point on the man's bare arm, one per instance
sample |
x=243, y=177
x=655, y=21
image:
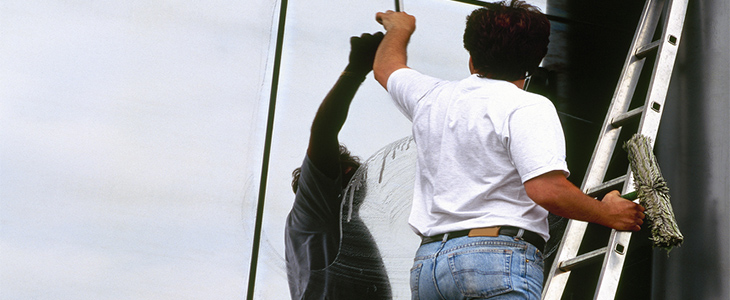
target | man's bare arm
x=559, y=196
x=391, y=54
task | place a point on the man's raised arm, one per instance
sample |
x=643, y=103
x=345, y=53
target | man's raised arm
x=324, y=145
x=391, y=54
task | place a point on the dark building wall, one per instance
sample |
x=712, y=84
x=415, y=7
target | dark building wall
x=588, y=46
x=693, y=149
x=589, y=43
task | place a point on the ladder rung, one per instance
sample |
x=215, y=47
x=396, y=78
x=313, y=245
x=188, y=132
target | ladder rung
x=645, y=50
x=570, y=264
x=613, y=184
x=621, y=119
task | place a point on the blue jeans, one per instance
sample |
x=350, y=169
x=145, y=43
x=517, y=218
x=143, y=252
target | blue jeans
x=500, y=267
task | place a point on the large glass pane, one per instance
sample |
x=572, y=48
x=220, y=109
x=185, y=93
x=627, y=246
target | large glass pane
x=132, y=136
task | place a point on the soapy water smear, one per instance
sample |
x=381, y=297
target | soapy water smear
x=376, y=237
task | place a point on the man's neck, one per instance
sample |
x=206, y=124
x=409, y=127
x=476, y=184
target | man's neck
x=520, y=83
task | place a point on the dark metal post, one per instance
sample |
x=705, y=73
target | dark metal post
x=267, y=152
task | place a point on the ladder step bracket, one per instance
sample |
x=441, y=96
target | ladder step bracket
x=622, y=119
x=582, y=260
x=613, y=184
x=647, y=49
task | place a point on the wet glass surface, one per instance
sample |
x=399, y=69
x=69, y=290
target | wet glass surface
x=375, y=212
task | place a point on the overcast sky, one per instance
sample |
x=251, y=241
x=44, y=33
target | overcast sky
x=133, y=134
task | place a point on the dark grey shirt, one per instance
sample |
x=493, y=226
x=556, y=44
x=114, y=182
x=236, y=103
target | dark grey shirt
x=312, y=227
x=324, y=259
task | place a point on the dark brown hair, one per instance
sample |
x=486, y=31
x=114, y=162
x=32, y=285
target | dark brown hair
x=345, y=158
x=506, y=41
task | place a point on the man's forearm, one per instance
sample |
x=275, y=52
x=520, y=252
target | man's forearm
x=567, y=201
x=559, y=196
x=391, y=55
x=332, y=112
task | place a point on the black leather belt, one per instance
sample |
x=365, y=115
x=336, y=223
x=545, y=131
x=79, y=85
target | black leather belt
x=529, y=236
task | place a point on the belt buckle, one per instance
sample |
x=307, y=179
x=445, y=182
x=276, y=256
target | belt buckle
x=486, y=231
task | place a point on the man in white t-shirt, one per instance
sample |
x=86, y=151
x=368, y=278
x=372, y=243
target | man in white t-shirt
x=491, y=160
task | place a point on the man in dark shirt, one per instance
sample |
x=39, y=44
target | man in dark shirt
x=312, y=231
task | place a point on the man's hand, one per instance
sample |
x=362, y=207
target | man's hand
x=362, y=52
x=621, y=213
x=396, y=20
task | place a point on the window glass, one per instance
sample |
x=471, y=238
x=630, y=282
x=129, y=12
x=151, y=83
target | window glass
x=132, y=137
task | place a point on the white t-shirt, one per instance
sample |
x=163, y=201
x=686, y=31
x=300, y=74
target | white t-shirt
x=478, y=141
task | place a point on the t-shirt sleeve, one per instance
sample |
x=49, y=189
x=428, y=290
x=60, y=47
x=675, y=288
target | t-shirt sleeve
x=537, y=143
x=407, y=86
x=317, y=202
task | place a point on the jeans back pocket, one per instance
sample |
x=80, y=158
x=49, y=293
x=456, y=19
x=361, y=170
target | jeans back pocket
x=482, y=273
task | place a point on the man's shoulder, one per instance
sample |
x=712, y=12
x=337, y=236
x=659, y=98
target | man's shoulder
x=313, y=184
x=523, y=98
x=502, y=93
x=408, y=74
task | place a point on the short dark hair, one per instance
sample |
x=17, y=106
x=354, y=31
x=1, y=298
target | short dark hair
x=506, y=41
x=345, y=158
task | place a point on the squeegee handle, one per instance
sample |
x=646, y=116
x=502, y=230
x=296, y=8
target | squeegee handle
x=630, y=196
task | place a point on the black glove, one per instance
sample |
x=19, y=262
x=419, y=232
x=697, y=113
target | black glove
x=362, y=52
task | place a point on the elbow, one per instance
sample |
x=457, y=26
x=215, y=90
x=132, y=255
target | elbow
x=540, y=198
x=326, y=129
x=538, y=190
x=382, y=69
x=546, y=190
x=548, y=201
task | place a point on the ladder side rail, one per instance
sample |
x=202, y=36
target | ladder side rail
x=617, y=248
x=649, y=126
x=575, y=230
x=663, y=67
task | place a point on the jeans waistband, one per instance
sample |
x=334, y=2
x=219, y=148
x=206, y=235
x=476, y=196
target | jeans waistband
x=528, y=236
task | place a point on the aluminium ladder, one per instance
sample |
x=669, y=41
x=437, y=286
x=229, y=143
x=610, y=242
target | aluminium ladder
x=665, y=51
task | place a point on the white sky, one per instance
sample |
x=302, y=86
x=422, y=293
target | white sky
x=132, y=136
